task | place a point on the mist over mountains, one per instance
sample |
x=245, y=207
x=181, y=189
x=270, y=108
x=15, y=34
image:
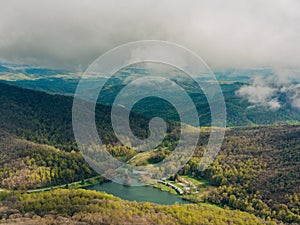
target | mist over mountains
x=252, y=96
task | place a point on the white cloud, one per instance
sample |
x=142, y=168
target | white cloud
x=72, y=33
x=296, y=101
x=265, y=91
x=259, y=93
x=294, y=94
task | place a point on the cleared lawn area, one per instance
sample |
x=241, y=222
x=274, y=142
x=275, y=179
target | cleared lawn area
x=201, y=182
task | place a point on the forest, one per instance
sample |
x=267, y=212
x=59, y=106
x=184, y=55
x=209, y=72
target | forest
x=91, y=207
x=257, y=170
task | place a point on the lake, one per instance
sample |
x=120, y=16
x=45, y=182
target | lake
x=138, y=193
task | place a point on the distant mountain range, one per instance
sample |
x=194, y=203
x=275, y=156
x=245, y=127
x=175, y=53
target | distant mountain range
x=239, y=111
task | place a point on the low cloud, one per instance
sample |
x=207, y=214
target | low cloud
x=273, y=91
x=260, y=94
x=72, y=33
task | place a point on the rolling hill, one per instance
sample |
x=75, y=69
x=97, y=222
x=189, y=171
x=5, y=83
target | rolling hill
x=257, y=170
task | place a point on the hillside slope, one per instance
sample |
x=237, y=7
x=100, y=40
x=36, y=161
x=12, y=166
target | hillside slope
x=239, y=111
x=89, y=207
x=47, y=118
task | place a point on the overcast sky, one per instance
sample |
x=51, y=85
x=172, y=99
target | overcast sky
x=71, y=34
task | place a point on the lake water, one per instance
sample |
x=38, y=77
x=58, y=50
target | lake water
x=138, y=193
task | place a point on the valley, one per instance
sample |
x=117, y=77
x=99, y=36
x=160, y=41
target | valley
x=257, y=170
x=150, y=112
